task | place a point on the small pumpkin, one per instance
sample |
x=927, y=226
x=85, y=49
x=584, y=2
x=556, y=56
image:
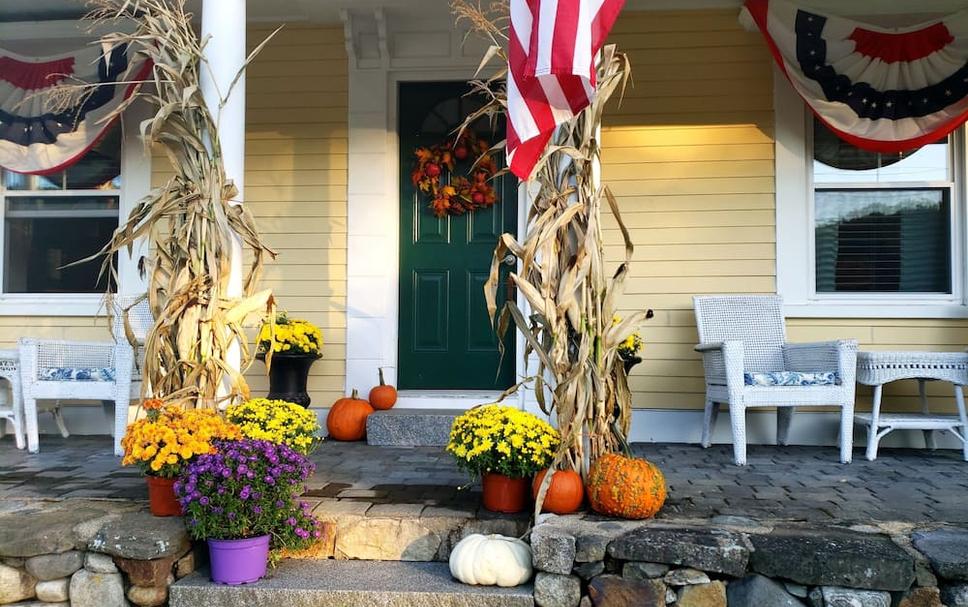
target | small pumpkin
x=347, y=418
x=491, y=560
x=383, y=396
x=565, y=493
x=626, y=487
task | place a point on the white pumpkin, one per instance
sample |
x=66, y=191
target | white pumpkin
x=491, y=560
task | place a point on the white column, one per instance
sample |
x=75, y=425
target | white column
x=223, y=23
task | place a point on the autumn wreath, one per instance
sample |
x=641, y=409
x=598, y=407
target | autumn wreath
x=461, y=193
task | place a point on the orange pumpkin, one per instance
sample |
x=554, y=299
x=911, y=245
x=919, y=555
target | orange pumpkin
x=565, y=493
x=347, y=418
x=383, y=396
x=626, y=487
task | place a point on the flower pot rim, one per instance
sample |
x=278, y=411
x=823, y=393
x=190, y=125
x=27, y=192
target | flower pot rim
x=262, y=355
x=238, y=539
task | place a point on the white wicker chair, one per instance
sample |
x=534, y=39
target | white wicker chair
x=745, y=334
x=50, y=370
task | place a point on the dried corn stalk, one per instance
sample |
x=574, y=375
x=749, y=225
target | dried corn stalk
x=571, y=297
x=191, y=220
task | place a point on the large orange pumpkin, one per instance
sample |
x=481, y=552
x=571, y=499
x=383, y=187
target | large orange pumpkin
x=347, y=418
x=626, y=487
x=383, y=396
x=565, y=493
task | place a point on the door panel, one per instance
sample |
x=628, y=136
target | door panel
x=446, y=341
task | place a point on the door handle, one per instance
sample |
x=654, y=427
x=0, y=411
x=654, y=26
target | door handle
x=509, y=260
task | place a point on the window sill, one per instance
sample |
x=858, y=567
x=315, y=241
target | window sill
x=60, y=304
x=894, y=309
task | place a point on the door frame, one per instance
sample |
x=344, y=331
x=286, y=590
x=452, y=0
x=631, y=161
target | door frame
x=364, y=327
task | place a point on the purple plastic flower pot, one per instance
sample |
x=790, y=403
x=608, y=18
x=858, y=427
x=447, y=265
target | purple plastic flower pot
x=236, y=562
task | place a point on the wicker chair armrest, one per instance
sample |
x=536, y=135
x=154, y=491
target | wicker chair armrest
x=838, y=355
x=723, y=363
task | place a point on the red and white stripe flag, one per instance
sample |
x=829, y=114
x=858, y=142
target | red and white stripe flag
x=551, y=69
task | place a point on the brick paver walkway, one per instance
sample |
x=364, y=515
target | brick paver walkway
x=795, y=483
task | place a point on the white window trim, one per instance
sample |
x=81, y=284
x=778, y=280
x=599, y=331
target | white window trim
x=794, y=231
x=135, y=183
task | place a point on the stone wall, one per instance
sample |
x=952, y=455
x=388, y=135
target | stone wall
x=90, y=554
x=582, y=560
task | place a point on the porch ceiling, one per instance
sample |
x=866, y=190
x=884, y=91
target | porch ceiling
x=327, y=11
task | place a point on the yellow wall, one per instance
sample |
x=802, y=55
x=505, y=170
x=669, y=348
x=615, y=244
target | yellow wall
x=689, y=154
x=295, y=184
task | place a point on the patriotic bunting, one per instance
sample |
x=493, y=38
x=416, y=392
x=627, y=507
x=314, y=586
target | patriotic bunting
x=884, y=90
x=34, y=138
x=551, y=69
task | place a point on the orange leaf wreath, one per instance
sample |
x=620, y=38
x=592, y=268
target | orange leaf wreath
x=459, y=194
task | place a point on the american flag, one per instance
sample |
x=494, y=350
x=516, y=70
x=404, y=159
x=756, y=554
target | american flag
x=551, y=69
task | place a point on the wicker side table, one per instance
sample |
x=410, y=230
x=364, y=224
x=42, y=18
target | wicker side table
x=878, y=368
x=10, y=371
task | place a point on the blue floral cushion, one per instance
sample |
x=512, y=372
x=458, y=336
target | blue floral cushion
x=790, y=378
x=77, y=374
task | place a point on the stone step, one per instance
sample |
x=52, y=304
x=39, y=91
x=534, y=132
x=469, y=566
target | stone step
x=410, y=427
x=297, y=583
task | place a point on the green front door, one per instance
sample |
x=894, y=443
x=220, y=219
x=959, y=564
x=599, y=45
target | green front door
x=446, y=341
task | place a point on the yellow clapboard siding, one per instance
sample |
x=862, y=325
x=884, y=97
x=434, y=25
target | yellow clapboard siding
x=615, y=155
x=689, y=170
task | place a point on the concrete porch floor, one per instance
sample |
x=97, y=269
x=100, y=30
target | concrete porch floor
x=789, y=483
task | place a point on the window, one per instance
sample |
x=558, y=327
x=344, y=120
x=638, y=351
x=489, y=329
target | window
x=862, y=234
x=53, y=220
x=882, y=222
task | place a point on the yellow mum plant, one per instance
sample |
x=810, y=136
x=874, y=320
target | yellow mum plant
x=290, y=336
x=502, y=439
x=277, y=421
x=632, y=344
x=169, y=437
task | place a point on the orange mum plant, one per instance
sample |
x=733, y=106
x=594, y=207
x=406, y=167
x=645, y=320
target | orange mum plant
x=169, y=437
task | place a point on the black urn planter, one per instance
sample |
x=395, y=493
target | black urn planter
x=629, y=362
x=288, y=375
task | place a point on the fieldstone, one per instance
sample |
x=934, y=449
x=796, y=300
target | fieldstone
x=389, y=539
x=712, y=594
x=55, y=566
x=815, y=597
x=593, y=537
x=15, y=585
x=759, y=591
x=614, y=591
x=42, y=531
x=798, y=590
x=552, y=550
x=140, y=536
x=922, y=597
x=54, y=591
x=146, y=573
x=686, y=577
x=587, y=571
x=707, y=549
x=955, y=596
x=13, y=562
x=834, y=596
x=186, y=564
x=671, y=596
x=923, y=574
x=831, y=557
x=148, y=596
x=644, y=571
x=556, y=590
x=585, y=602
x=96, y=562
x=947, y=551
x=90, y=589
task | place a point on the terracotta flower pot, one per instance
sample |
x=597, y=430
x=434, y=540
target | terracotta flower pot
x=505, y=494
x=161, y=496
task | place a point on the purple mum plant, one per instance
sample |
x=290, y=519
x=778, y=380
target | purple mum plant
x=248, y=488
